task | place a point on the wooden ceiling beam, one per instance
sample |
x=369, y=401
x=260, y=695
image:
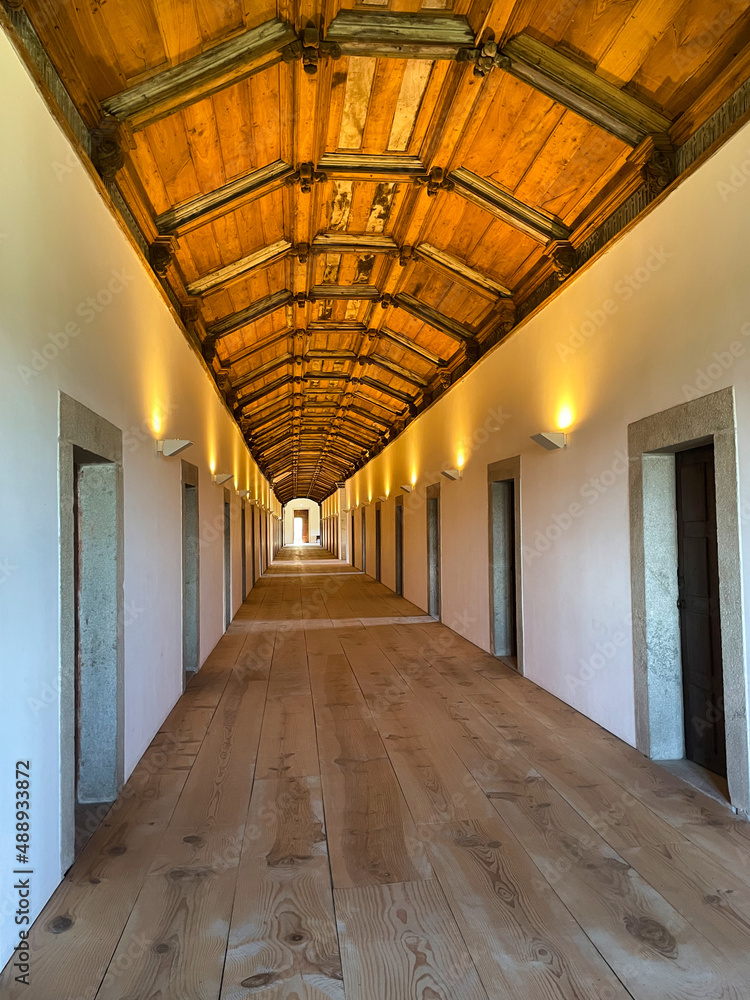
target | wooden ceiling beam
x=262, y=370
x=399, y=36
x=458, y=269
x=580, y=90
x=387, y=390
x=410, y=345
x=235, y=321
x=354, y=243
x=372, y=167
x=344, y=292
x=222, y=277
x=393, y=369
x=435, y=319
x=201, y=76
x=262, y=345
x=502, y=205
x=260, y=429
x=368, y=416
x=262, y=410
x=263, y=391
x=205, y=208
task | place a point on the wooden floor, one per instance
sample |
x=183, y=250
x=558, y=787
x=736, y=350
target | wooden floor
x=351, y=800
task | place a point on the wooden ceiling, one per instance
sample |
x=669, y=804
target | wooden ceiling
x=351, y=200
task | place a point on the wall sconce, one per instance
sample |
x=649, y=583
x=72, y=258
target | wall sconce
x=222, y=477
x=551, y=440
x=407, y=488
x=169, y=447
x=245, y=494
x=382, y=499
x=452, y=474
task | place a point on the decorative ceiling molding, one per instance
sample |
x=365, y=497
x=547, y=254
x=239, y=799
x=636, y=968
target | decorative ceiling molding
x=223, y=276
x=399, y=36
x=538, y=225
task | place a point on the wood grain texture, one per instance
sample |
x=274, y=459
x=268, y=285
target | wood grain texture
x=402, y=941
x=550, y=861
x=248, y=145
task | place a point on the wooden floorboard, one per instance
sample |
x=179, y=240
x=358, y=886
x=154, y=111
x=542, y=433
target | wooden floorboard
x=352, y=802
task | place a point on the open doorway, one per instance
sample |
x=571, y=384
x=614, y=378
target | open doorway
x=699, y=606
x=243, y=555
x=190, y=571
x=433, y=550
x=363, y=526
x=505, y=562
x=301, y=527
x=377, y=542
x=353, y=555
x=227, y=560
x=91, y=623
x=399, y=543
x=688, y=640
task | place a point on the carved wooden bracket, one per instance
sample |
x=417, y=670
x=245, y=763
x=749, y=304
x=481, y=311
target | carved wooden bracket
x=435, y=181
x=190, y=313
x=302, y=252
x=386, y=300
x=108, y=141
x=372, y=335
x=564, y=257
x=301, y=298
x=208, y=348
x=445, y=378
x=659, y=169
x=473, y=351
x=485, y=57
x=406, y=255
x=309, y=47
x=505, y=316
x=161, y=254
x=306, y=175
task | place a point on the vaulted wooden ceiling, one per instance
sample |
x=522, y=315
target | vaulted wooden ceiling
x=351, y=200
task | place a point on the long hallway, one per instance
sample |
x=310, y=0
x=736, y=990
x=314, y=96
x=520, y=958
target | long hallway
x=351, y=800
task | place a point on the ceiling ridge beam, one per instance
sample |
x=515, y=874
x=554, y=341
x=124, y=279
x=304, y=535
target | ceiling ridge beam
x=206, y=208
x=400, y=36
x=581, y=90
x=371, y=166
x=235, y=321
x=212, y=281
x=337, y=242
x=202, y=75
x=353, y=291
x=503, y=205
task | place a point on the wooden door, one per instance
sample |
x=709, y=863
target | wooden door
x=700, y=624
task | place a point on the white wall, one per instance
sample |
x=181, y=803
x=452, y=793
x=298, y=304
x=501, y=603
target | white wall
x=129, y=362
x=647, y=326
x=301, y=504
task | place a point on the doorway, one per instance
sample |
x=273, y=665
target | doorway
x=354, y=558
x=92, y=623
x=363, y=514
x=301, y=527
x=503, y=569
x=399, y=542
x=190, y=571
x=673, y=457
x=433, y=550
x=377, y=543
x=243, y=533
x=227, y=560
x=698, y=602
x=504, y=484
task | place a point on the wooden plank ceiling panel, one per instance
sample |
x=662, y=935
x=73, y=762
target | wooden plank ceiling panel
x=428, y=190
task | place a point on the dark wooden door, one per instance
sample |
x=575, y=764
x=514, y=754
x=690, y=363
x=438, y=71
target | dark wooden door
x=399, y=549
x=700, y=624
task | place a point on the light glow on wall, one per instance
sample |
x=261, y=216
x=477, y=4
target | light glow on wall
x=460, y=459
x=157, y=424
x=564, y=416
